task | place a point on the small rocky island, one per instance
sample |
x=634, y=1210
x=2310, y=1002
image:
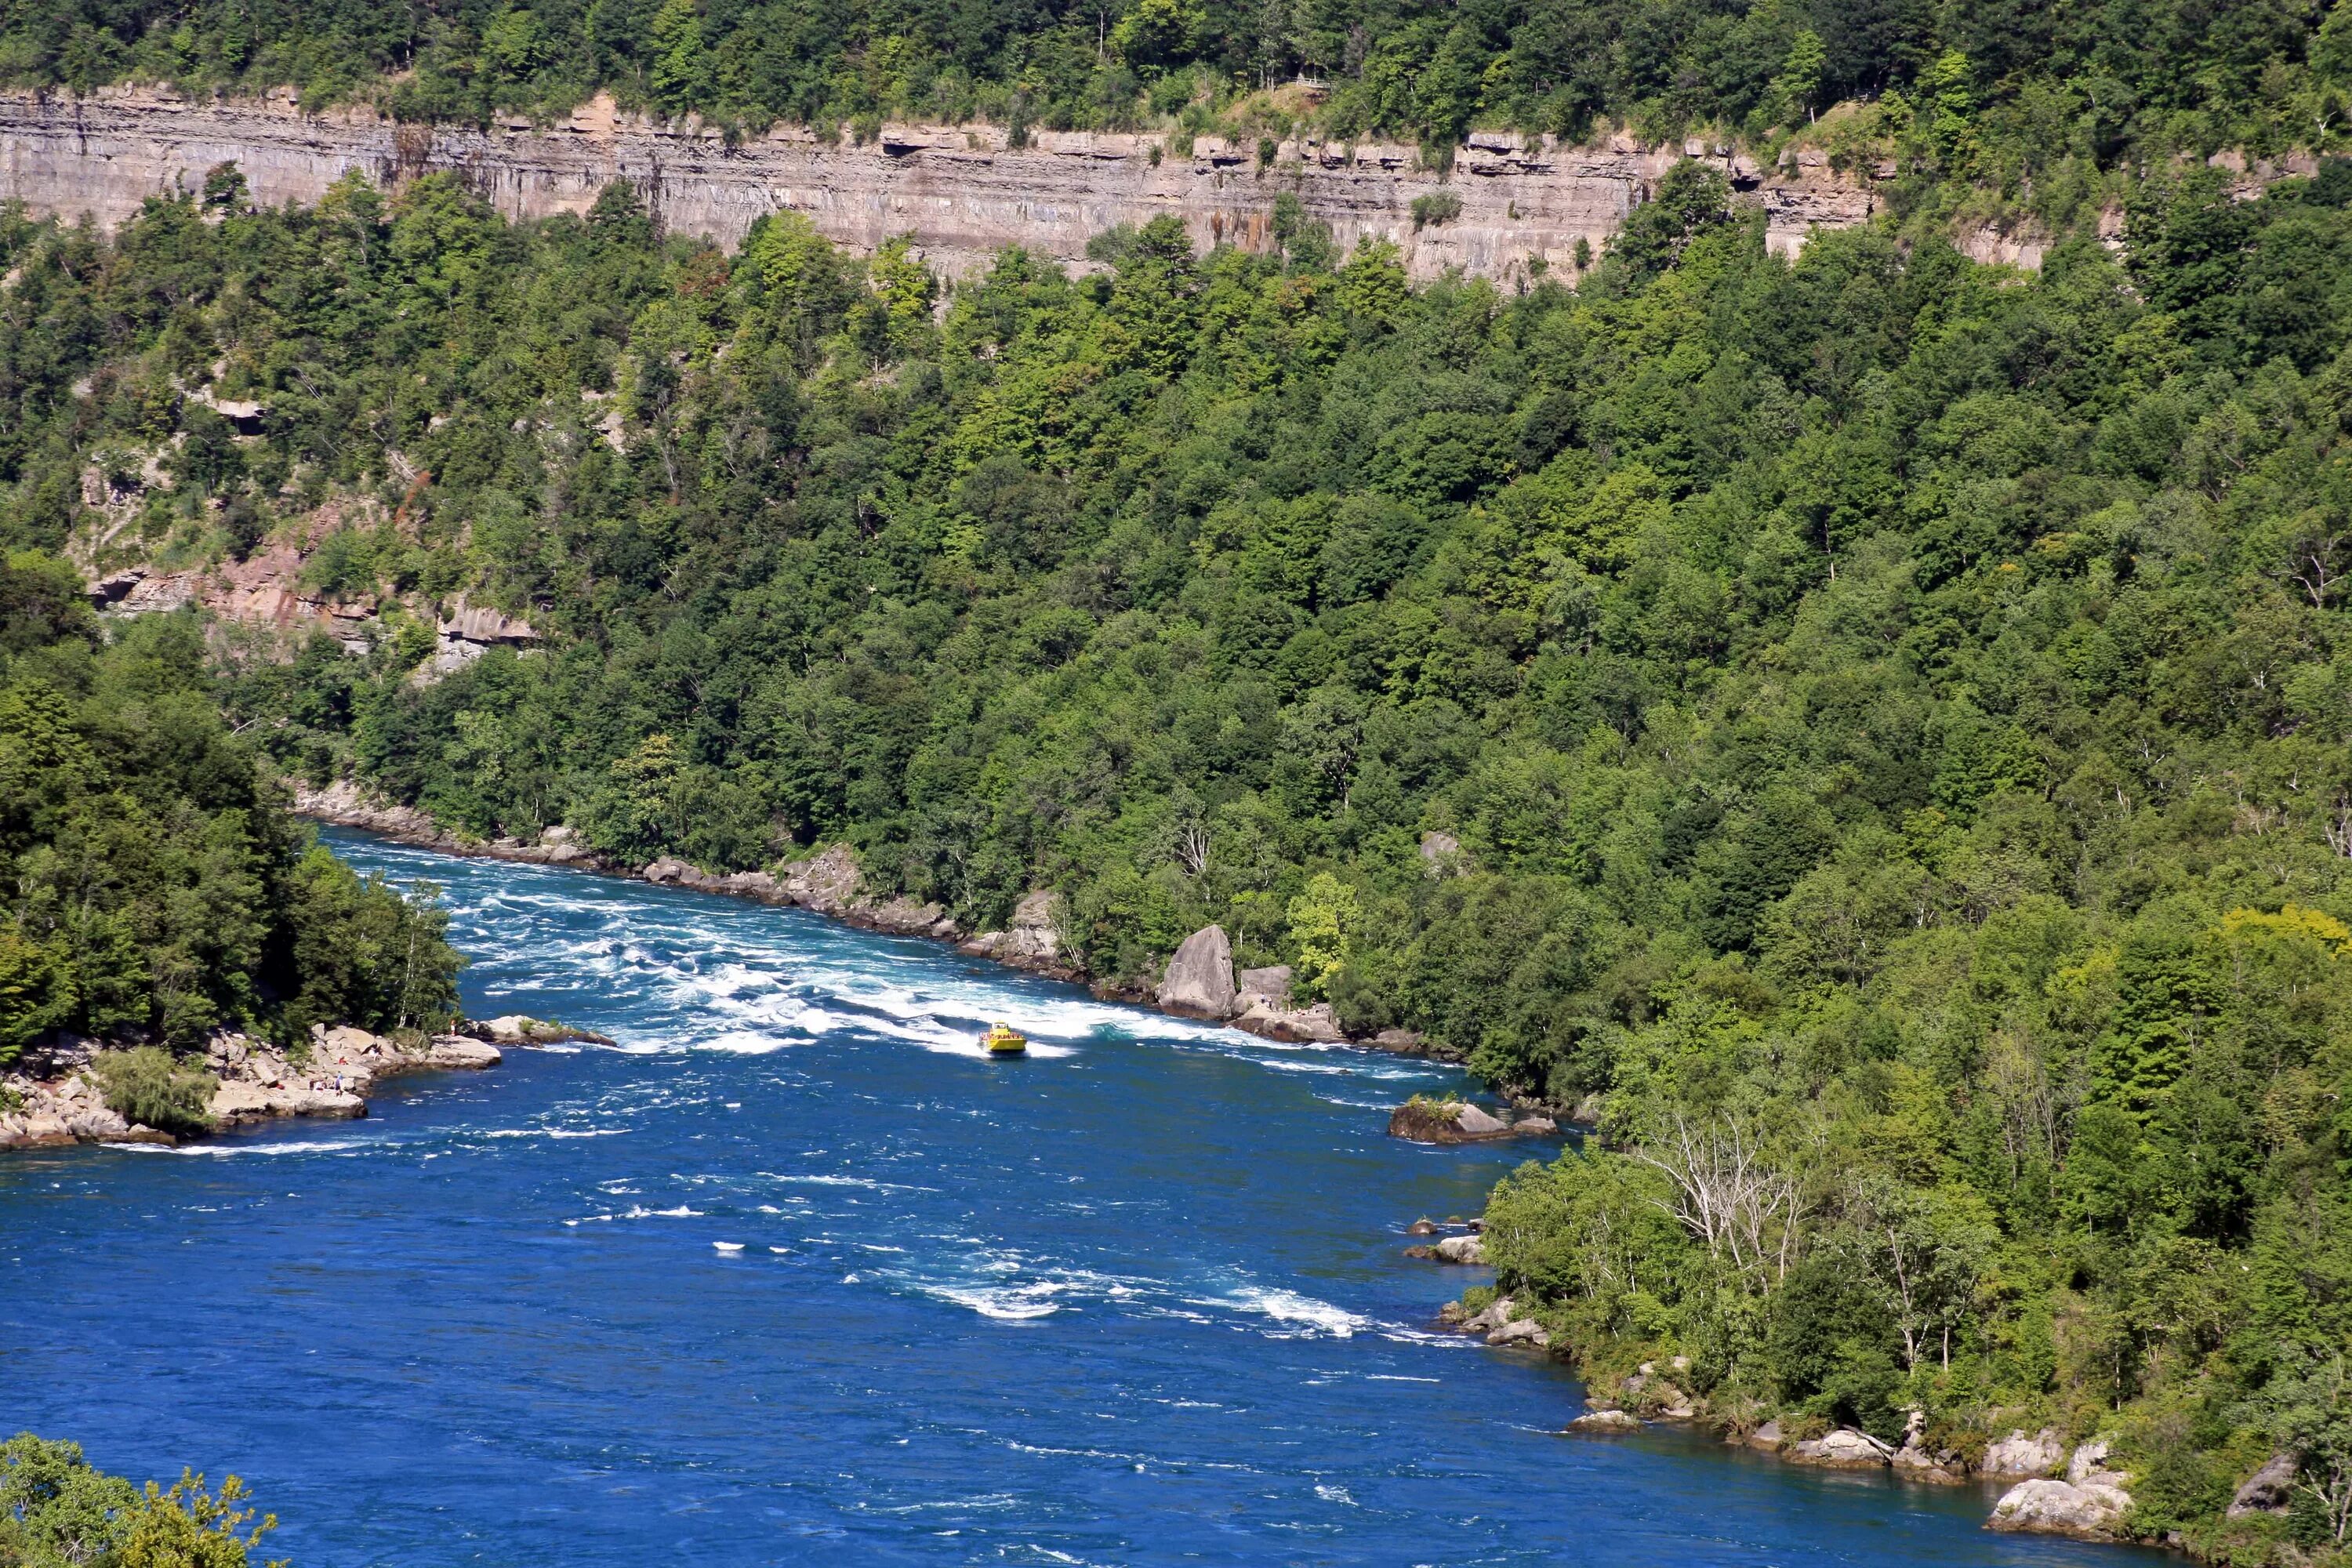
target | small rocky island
x=1426, y=1120
x=59, y=1092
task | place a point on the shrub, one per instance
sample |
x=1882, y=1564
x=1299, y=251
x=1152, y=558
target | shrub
x=150, y=1087
x=1436, y=209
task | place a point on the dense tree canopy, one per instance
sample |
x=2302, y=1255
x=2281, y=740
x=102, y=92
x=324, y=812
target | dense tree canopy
x=155, y=888
x=1892, y=711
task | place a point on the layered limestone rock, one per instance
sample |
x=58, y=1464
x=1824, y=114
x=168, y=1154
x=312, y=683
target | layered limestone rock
x=962, y=191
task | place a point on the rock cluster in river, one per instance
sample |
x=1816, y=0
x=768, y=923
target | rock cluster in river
x=1459, y=1121
x=55, y=1100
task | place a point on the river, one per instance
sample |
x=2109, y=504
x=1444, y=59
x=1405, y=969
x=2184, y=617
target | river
x=1138, y=1298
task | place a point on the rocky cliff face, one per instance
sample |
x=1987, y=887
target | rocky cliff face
x=963, y=192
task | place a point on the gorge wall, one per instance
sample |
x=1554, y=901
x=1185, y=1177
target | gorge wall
x=963, y=192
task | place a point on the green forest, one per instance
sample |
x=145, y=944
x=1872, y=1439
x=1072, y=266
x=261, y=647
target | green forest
x=2042, y=92
x=1890, y=713
x=152, y=885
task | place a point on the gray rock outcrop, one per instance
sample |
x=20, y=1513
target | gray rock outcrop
x=2090, y=1504
x=2269, y=1490
x=1313, y=1024
x=1199, y=983
x=1441, y=853
x=1846, y=1448
x=1033, y=941
x=826, y=881
x=2090, y=1512
x=1521, y=1331
x=253, y=1082
x=1270, y=985
x=1477, y=1124
x=1492, y=1316
x=2018, y=1456
x=1463, y=1249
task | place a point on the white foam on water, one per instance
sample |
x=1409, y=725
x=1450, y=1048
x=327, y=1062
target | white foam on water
x=554, y=1132
x=745, y=1043
x=727, y=1246
x=1010, y=1303
x=1310, y=1315
x=867, y=1182
x=222, y=1151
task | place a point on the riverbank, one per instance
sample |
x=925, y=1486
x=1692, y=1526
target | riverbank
x=2051, y=1484
x=53, y=1099
x=1171, y=1248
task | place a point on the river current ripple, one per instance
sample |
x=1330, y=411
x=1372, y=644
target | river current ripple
x=796, y=1275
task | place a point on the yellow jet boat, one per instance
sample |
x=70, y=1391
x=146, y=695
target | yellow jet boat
x=1003, y=1041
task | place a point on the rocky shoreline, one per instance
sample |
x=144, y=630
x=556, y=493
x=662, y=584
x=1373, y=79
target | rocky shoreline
x=53, y=1099
x=2050, y=1487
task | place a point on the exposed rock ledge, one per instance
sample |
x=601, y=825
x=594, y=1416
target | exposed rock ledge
x=58, y=1101
x=962, y=191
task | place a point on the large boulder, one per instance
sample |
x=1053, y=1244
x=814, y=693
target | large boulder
x=1521, y=1331
x=461, y=1054
x=1200, y=979
x=1496, y=1314
x=2089, y=1512
x=1316, y=1025
x=237, y=1102
x=1843, y=1449
x=1463, y=1250
x=1477, y=1124
x=2018, y=1456
x=2268, y=1490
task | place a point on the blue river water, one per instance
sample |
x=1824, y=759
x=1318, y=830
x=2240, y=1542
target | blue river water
x=796, y=1275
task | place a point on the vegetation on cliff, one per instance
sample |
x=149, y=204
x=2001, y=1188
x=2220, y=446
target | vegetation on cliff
x=58, y=1511
x=2034, y=98
x=152, y=887
x=1892, y=712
